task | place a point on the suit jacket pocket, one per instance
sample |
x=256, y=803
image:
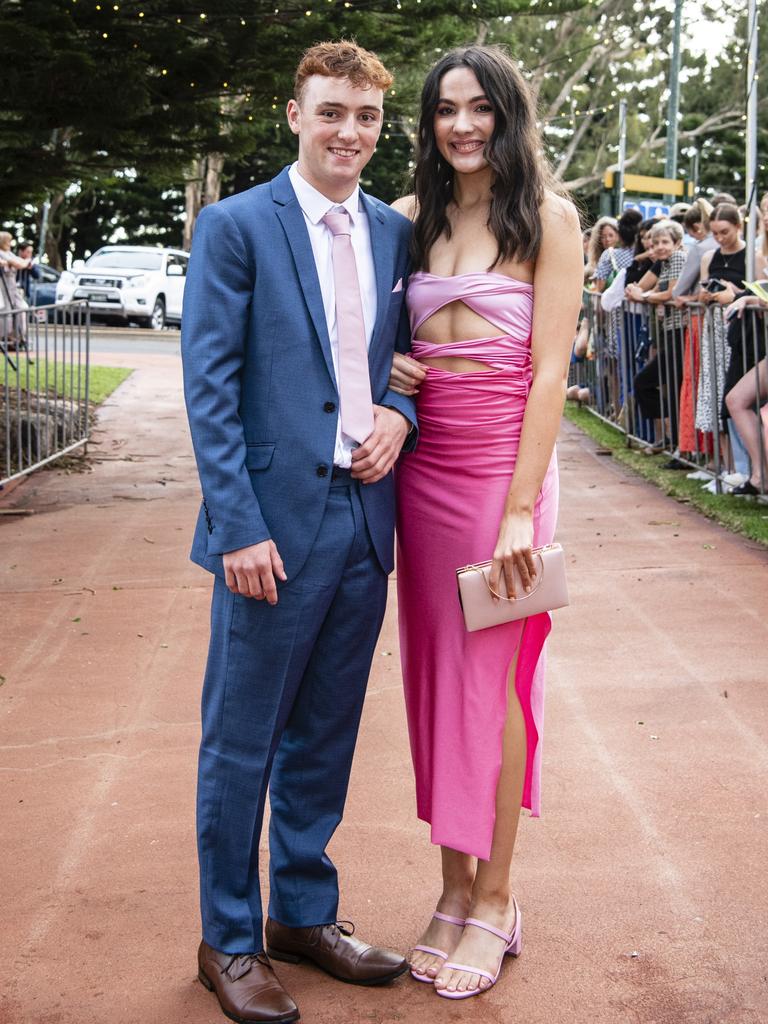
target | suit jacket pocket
x=258, y=456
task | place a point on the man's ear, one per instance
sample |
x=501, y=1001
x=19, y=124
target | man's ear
x=293, y=114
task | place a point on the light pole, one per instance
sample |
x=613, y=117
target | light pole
x=673, y=106
x=751, y=137
x=622, y=155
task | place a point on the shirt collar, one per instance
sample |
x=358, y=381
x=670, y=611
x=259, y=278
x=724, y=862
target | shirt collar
x=314, y=204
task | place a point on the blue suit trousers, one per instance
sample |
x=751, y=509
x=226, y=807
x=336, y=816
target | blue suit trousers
x=282, y=699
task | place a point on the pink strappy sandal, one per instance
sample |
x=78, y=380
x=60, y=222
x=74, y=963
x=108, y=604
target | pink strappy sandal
x=514, y=945
x=431, y=950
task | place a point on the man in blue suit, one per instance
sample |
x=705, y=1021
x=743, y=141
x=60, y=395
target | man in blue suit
x=296, y=524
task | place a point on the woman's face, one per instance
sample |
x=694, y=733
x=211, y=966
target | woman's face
x=726, y=235
x=663, y=246
x=646, y=241
x=697, y=231
x=464, y=121
x=608, y=236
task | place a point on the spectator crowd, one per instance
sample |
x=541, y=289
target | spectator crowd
x=17, y=271
x=672, y=341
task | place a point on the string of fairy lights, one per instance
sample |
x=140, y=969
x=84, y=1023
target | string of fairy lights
x=198, y=19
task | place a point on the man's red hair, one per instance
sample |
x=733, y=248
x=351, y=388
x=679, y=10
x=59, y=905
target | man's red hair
x=342, y=60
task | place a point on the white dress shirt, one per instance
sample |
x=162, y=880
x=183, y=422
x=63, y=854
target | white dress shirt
x=314, y=205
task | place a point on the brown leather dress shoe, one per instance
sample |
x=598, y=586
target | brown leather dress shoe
x=246, y=987
x=333, y=948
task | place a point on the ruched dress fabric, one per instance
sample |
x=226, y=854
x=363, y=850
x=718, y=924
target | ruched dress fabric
x=450, y=498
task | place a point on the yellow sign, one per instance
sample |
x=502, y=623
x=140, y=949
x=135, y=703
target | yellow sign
x=656, y=186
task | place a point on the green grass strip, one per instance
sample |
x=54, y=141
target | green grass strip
x=64, y=380
x=740, y=515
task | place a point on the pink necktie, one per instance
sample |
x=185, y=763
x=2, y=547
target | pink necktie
x=354, y=380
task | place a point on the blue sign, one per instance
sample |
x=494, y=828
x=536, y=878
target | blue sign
x=649, y=208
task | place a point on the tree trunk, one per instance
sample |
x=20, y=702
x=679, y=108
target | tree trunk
x=213, y=171
x=53, y=233
x=193, y=196
x=201, y=188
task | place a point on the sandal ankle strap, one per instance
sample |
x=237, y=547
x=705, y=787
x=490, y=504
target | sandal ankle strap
x=450, y=920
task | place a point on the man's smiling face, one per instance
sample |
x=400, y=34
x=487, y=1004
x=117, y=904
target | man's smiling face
x=338, y=125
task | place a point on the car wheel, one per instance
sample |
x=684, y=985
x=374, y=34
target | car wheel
x=157, y=321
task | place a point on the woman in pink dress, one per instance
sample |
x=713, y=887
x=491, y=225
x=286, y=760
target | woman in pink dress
x=494, y=304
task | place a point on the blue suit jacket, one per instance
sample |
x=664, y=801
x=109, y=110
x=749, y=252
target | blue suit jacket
x=258, y=374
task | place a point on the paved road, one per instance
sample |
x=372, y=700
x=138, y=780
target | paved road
x=643, y=885
x=134, y=342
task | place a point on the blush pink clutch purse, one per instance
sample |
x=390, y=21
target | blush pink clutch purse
x=550, y=591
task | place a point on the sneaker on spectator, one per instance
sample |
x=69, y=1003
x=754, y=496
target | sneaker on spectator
x=734, y=479
x=712, y=487
x=699, y=474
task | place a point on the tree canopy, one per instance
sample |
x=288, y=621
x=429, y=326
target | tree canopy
x=121, y=112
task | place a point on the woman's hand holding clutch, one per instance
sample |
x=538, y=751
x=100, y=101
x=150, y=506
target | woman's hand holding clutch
x=513, y=548
x=406, y=375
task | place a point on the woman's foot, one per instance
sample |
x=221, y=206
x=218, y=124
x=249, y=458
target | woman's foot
x=479, y=948
x=749, y=489
x=440, y=935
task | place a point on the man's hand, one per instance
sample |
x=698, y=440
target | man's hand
x=251, y=571
x=376, y=456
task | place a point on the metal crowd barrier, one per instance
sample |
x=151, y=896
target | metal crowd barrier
x=44, y=379
x=661, y=374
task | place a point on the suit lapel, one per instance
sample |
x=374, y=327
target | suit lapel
x=383, y=263
x=292, y=220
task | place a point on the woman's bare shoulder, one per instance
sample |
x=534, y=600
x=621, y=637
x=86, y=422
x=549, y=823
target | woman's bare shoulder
x=406, y=205
x=557, y=209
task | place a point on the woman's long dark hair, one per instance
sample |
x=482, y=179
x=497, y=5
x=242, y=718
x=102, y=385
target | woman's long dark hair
x=521, y=173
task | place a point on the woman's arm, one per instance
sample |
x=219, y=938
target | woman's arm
x=557, y=299
x=15, y=261
x=645, y=284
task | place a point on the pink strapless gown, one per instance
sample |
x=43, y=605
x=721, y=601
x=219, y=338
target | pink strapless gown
x=450, y=498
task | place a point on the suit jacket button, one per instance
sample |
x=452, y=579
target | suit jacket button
x=322, y=470
x=329, y=407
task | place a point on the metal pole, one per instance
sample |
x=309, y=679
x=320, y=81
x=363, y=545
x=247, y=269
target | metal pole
x=622, y=155
x=695, y=170
x=673, y=106
x=751, y=138
x=43, y=230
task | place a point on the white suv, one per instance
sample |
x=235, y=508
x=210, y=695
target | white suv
x=129, y=282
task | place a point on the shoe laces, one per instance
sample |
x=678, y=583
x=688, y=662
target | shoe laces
x=345, y=927
x=241, y=963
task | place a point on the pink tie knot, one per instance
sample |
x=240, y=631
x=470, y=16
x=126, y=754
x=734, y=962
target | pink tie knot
x=337, y=222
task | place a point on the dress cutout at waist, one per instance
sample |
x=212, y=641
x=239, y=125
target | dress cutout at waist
x=503, y=301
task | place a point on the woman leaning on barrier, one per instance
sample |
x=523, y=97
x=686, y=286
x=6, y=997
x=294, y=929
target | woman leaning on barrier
x=722, y=280
x=696, y=223
x=657, y=385
x=14, y=335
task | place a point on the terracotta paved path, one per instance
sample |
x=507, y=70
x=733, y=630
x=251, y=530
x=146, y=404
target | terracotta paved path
x=644, y=884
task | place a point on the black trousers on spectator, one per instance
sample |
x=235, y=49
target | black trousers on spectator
x=657, y=385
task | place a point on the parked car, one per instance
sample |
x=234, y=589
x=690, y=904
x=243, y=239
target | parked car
x=139, y=283
x=42, y=291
